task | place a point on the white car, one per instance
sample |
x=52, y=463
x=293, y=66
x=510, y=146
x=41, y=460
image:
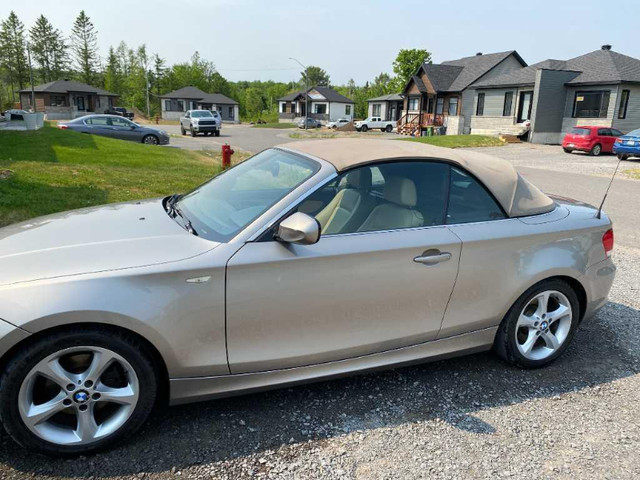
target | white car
x=371, y=123
x=201, y=121
x=341, y=122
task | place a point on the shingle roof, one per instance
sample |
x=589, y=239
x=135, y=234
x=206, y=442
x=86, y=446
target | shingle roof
x=442, y=76
x=597, y=67
x=328, y=93
x=217, y=98
x=66, y=86
x=191, y=93
x=476, y=66
x=419, y=83
x=387, y=98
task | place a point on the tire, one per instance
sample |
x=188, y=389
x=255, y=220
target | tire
x=622, y=156
x=389, y=129
x=596, y=150
x=192, y=132
x=364, y=128
x=128, y=354
x=217, y=133
x=567, y=150
x=513, y=338
x=182, y=130
x=150, y=140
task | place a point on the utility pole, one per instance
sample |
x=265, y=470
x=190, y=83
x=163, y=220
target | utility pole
x=306, y=92
x=146, y=79
x=33, y=93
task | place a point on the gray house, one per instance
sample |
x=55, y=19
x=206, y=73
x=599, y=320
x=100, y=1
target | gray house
x=387, y=107
x=600, y=88
x=175, y=104
x=66, y=99
x=442, y=94
x=325, y=104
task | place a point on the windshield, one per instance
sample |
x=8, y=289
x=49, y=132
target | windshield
x=225, y=205
x=201, y=114
x=634, y=133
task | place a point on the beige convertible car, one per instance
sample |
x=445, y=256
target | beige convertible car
x=307, y=261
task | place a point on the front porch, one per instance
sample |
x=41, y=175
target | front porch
x=423, y=111
x=413, y=123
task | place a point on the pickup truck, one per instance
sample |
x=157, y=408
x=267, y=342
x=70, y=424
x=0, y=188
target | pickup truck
x=121, y=111
x=372, y=123
x=201, y=121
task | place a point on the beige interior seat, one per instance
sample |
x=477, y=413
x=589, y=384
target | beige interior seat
x=351, y=205
x=398, y=212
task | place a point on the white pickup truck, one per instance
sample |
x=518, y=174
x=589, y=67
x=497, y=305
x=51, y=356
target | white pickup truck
x=373, y=123
x=201, y=121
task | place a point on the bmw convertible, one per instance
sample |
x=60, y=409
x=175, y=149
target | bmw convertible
x=308, y=261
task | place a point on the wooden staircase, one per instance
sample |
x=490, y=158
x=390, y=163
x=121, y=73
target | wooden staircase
x=412, y=123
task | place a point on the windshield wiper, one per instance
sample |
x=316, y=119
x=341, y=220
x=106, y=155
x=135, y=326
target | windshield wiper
x=171, y=203
x=175, y=210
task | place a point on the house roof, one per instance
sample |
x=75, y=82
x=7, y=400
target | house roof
x=217, y=98
x=597, y=67
x=190, y=93
x=387, y=98
x=328, y=93
x=66, y=86
x=441, y=76
x=517, y=196
x=476, y=66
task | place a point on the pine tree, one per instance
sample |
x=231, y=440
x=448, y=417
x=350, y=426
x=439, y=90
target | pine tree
x=84, y=39
x=48, y=49
x=113, y=73
x=13, y=50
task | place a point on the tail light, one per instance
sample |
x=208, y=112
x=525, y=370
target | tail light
x=618, y=141
x=63, y=127
x=607, y=242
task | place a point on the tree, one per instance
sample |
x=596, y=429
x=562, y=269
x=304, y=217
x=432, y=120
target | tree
x=84, y=39
x=315, y=76
x=13, y=51
x=407, y=63
x=48, y=49
x=254, y=103
x=113, y=73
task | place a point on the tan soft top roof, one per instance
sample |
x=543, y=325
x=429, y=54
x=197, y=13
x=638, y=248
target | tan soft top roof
x=517, y=196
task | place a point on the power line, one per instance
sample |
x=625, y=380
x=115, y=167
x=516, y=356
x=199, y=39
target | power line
x=255, y=69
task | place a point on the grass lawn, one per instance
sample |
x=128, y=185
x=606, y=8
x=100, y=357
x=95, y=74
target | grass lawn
x=52, y=170
x=458, y=141
x=275, y=125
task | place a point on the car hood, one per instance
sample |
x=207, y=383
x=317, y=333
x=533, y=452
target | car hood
x=91, y=240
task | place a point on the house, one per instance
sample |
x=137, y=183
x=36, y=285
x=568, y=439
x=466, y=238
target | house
x=175, y=104
x=66, y=99
x=441, y=94
x=388, y=107
x=600, y=88
x=324, y=103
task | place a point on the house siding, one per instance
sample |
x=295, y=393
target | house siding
x=549, y=104
x=568, y=122
x=632, y=120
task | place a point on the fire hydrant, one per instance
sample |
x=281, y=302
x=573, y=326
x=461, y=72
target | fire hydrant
x=226, y=155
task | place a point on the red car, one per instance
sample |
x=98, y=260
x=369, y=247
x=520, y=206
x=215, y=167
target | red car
x=594, y=140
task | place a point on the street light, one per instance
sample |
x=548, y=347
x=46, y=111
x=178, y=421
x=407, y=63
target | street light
x=306, y=91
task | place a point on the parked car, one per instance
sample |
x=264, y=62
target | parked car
x=341, y=122
x=372, y=123
x=121, y=111
x=310, y=123
x=594, y=140
x=114, y=126
x=306, y=261
x=628, y=145
x=201, y=121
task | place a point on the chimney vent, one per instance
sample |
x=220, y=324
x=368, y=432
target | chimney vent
x=606, y=48
x=478, y=54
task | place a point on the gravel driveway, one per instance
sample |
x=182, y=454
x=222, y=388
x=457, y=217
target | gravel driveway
x=471, y=417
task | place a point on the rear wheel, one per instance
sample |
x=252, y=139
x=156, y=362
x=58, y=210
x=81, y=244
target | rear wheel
x=150, y=140
x=539, y=326
x=77, y=392
x=567, y=150
x=596, y=150
x=388, y=129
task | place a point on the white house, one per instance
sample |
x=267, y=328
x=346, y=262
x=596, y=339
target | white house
x=324, y=103
x=175, y=104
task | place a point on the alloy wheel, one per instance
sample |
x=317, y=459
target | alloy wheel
x=543, y=325
x=78, y=395
x=150, y=140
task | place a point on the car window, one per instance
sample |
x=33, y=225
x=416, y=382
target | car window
x=616, y=133
x=580, y=131
x=469, y=201
x=605, y=132
x=97, y=121
x=387, y=196
x=121, y=122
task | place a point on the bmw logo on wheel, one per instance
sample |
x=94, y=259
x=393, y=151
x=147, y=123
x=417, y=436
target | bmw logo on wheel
x=81, y=397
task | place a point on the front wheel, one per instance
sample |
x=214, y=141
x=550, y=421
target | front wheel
x=567, y=150
x=622, y=157
x=596, y=150
x=539, y=326
x=364, y=128
x=150, y=140
x=217, y=133
x=77, y=392
x=182, y=130
x=192, y=132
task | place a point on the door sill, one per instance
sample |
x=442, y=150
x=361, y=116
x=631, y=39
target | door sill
x=185, y=390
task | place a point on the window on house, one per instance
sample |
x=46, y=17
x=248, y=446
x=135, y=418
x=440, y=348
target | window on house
x=230, y=111
x=508, y=102
x=480, y=105
x=594, y=104
x=376, y=110
x=321, y=108
x=413, y=103
x=439, y=106
x=453, y=106
x=430, y=105
x=347, y=110
x=58, y=101
x=180, y=106
x=167, y=105
x=624, y=101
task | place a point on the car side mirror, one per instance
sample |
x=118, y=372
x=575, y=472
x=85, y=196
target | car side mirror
x=299, y=228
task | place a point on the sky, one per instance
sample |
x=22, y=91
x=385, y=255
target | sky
x=254, y=39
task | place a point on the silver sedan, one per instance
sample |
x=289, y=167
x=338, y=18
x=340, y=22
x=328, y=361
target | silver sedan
x=308, y=261
x=115, y=126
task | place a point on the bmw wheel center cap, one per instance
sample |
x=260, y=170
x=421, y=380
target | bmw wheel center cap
x=81, y=396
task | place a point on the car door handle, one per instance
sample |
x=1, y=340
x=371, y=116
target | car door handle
x=432, y=258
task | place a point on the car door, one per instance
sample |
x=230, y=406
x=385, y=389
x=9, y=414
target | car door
x=98, y=125
x=124, y=129
x=605, y=139
x=380, y=284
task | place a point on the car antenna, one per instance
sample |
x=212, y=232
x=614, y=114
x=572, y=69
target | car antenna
x=599, y=213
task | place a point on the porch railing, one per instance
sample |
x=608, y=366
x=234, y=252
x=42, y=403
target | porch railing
x=421, y=119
